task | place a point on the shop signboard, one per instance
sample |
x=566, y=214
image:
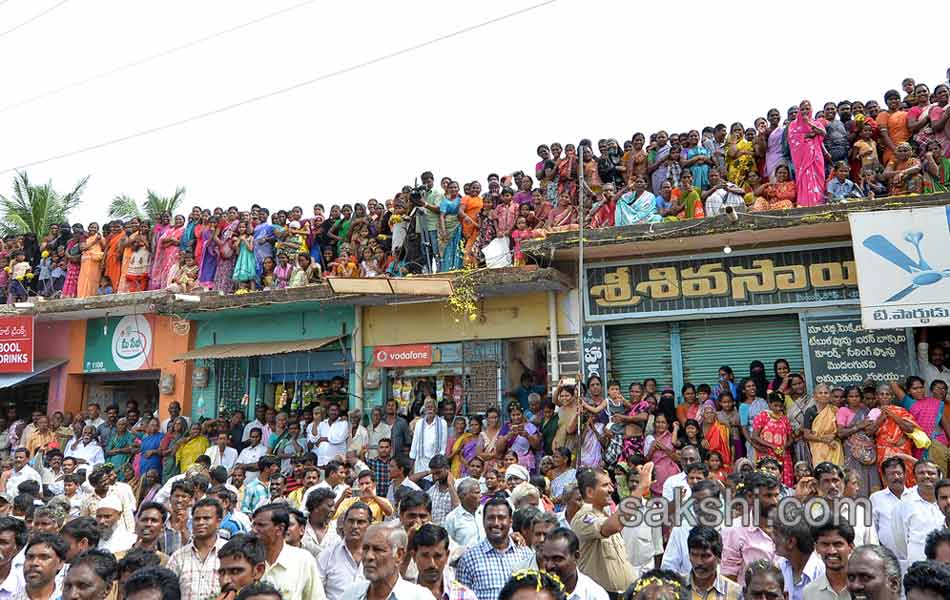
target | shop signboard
x=595, y=351
x=903, y=267
x=843, y=353
x=809, y=276
x=118, y=344
x=409, y=355
x=16, y=344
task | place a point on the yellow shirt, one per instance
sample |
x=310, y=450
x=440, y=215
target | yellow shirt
x=373, y=507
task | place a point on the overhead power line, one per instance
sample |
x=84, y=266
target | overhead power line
x=147, y=59
x=33, y=18
x=285, y=90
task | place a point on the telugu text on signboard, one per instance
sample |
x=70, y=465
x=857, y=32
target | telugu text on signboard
x=843, y=353
x=674, y=286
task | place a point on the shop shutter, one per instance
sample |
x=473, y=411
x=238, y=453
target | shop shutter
x=640, y=351
x=709, y=344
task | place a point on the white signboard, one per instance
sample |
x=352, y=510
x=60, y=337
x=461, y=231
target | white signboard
x=903, y=259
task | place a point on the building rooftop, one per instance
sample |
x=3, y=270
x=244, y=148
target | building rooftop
x=485, y=282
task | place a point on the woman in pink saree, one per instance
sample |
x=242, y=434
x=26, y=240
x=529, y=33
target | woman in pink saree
x=659, y=449
x=166, y=254
x=805, y=138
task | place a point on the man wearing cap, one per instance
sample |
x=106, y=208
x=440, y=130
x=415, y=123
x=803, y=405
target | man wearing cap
x=514, y=475
x=114, y=537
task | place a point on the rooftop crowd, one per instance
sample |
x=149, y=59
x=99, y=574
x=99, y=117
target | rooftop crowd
x=422, y=502
x=835, y=152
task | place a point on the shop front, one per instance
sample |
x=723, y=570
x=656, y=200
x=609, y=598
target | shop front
x=679, y=319
x=32, y=359
x=414, y=350
x=116, y=359
x=286, y=360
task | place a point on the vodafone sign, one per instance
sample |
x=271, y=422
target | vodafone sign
x=410, y=355
x=16, y=344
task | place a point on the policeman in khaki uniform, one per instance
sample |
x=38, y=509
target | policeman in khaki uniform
x=603, y=553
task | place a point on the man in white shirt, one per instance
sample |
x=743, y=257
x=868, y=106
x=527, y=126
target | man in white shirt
x=795, y=550
x=21, y=472
x=400, y=468
x=334, y=479
x=92, y=416
x=332, y=436
x=221, y=454
x=260, y=412
x=340, y=565
x=249, y=457
x=461, y=523
x=917, y=515
x=688, y=455
x=385, y=547
x=930, y=361
x=174, y=411
x=293, y=571
x=884, y=502
x=676, y=555
x=721, y=194
x=87, y=452
x=559, y=556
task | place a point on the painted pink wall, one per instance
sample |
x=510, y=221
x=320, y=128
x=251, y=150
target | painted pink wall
x=51, y=340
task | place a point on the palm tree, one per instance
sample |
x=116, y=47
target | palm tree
x=125, y=207
x=33, y=208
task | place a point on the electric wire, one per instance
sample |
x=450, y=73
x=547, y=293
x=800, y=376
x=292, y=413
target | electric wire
x=284, y=90
x=33, y=18
x=147, y=59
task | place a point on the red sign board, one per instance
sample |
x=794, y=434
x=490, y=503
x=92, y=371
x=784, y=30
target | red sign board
x=16, y=344
x=410, y=355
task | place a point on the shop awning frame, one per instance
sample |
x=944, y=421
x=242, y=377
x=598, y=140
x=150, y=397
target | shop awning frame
x=256, y=349
x=39, y=367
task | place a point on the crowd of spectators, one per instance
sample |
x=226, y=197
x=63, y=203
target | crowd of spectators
x=846, y=150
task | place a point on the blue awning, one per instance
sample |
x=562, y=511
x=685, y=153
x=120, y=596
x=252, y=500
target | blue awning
x=39, y=367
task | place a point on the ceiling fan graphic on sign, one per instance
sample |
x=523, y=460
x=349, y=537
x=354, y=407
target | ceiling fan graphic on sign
x=922, y=274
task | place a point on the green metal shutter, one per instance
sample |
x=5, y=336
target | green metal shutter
x=709, y=344
x=640, y=351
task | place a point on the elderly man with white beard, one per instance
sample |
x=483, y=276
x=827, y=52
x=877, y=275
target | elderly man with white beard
x=114, y=537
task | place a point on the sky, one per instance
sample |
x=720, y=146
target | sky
x=474, y=103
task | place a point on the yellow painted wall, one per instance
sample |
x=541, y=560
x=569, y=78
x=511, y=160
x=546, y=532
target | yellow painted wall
x=503, y=317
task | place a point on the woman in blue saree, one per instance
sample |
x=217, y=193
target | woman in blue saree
x=636, y=206
x=696, y=157
x=451, y=229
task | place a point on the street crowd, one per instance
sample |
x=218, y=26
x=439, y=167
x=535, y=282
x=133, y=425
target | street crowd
x=768, y=487
x=814, y=155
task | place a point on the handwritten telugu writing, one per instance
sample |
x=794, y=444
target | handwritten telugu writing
x=845, y=353
x=720, y=279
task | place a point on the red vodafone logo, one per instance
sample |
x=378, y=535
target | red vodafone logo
x=410, y=355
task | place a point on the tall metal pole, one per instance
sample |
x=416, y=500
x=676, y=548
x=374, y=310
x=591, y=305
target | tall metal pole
x=581, y=294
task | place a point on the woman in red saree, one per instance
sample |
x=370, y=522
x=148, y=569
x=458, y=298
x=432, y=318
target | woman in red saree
x=716, y=435
x=772, y=431
x=892, y=427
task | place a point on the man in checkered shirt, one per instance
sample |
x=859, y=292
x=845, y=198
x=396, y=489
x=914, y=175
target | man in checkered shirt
x=443, y=494
x=486, y=566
